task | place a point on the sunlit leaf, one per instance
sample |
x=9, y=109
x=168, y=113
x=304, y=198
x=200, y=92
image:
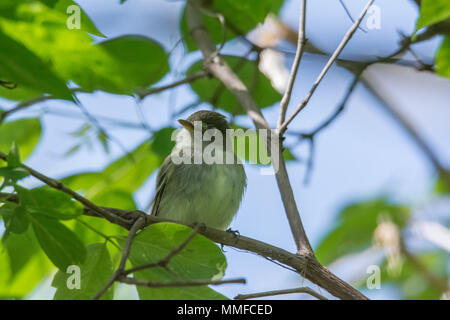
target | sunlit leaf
x=86, y=23
x=24, y=68
x=21, y=273
x=49, y=202
x=60, y=244
x=122, y=65
x=443, y=58
x=433, y=11
x=24, y=132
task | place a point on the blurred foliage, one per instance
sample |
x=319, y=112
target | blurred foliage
x=226, y=19
x=24, y=132
x=355, y=226
x=44, y=228
x=431, y=13
x=214, y=92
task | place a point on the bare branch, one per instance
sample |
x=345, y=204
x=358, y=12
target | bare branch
x=324, y=71
x=192, y=283
x=297, y=59
x=279, y=292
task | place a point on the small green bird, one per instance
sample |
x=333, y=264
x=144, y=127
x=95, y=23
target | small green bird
x=202, y=192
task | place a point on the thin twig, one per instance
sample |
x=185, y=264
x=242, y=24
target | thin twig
x=324, y=71
x=165, y=261
x=192, y=283
x=139, y=224
x=31, y=102
x=279, y=292
x=297, y=59
x=189, y=79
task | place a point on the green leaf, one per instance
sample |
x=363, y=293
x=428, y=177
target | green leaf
x=213, y=91
x=12, y=175
x=13, y=156
x=24, y=132
x=86, y=23
x=20, y=249
x=240, y=17
x=91, y=234
x=354, y=228
x=21, y=273
x=433, y=11
x=24, y=68
x=443, y=183
x=443, y=58
x=201, y=259
x=15, y=217
x=60, y=244
x=135, y=62
x=122, y=65
x=49, y=202
x=95, y=272
x=161, y=141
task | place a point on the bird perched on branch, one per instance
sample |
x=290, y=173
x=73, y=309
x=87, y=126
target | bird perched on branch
x=202, y=180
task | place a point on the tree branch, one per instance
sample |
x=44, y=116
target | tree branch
x=301, y=42
x=305, y=265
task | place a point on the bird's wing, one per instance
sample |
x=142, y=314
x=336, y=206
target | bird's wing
x=161, y=182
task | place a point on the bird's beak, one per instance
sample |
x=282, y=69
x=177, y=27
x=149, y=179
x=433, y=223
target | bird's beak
x=186, y=124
